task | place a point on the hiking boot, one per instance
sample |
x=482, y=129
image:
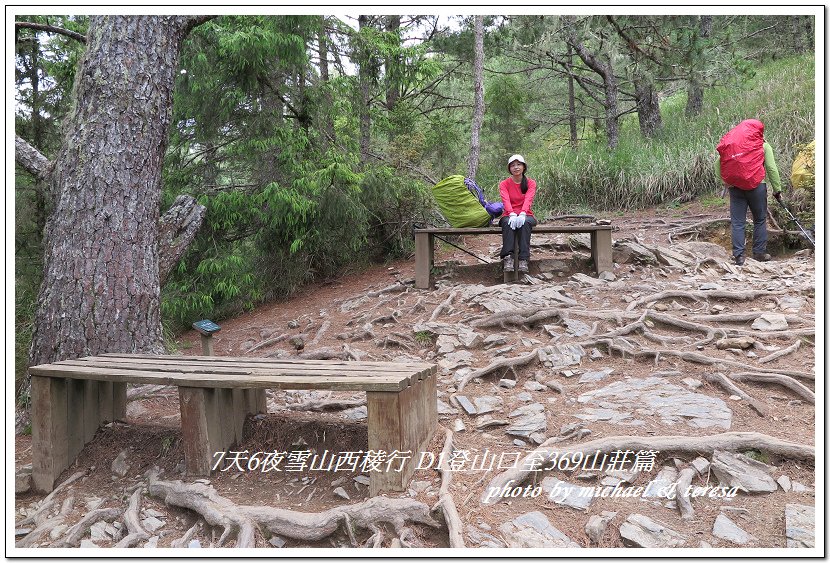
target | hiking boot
x=760, y=257
x=508, y=263
x=523, y=266
x=739, y=260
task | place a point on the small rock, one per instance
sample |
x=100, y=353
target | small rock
x=194, y=544
x=799, y=488
x=488, y=404
x=507, y=383
x=23, y=479
x=784, y=482
x=87, y=544
x=152, y=543
x=465, y=403
x=458, y=425
x=277, y=541
x=341, y=492
x=519, y=443
x=701, y=465
x=595, y=354
x=152, y=524
x=642, y=531
x=770, y=322
x=362, y=480
x=597, y=525
x=537, y=438
x=692, y=382
x=533, y=386
x=800, y=525
x=56, y=532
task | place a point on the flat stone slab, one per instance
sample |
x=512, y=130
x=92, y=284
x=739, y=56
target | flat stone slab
x=533, y=529
x=800, y=524
x=726, y=529
x=642, y=531
x=528, y=424
x=627, y=402
x=738, y=470
x=568, y=494
x=499, y=298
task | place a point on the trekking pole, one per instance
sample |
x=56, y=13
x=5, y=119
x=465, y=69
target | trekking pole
x=799, y=225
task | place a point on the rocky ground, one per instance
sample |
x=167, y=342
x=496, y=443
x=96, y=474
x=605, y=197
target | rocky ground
x=677, y=372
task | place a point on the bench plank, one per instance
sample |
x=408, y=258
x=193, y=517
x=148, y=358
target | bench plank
x=547, y=229
x=344, y=382
x=246, y=361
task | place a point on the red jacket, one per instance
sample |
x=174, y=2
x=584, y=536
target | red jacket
x=514, y=200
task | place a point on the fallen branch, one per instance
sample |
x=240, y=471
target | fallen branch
x=503, y=363
x=693, y=445
x=775, y=355
x=320, y=331
x=730, y=387
x=780, y=379
x=269, y=342
x=445, y=500
x=246, y=520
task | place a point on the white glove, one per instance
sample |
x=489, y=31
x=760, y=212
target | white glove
x=511, y=221
x=520, y=220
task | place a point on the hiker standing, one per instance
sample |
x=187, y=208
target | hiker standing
x=517, y=193
x=745, y=163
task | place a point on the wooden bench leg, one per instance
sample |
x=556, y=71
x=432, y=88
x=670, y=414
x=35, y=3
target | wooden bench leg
x=513, y=275
x=424, y=258
x=119, y=401
x=50, y=444
x=92, y=415
x=601, y=251
x=400, y=422
x=75, y=407
x=105, y=412
x=200, y=414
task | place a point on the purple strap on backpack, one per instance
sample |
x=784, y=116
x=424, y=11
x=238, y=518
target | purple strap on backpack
x=494, y=208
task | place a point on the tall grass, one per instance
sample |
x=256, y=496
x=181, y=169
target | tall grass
x=677, y=165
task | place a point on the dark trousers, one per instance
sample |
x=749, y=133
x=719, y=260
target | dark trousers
x=508, y=237
x=756, y=200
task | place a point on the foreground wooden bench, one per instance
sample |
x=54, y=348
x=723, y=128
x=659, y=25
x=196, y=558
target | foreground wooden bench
x=425, y=247
x=70, y=399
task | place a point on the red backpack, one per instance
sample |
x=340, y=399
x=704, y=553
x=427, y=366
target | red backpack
x=742, y=155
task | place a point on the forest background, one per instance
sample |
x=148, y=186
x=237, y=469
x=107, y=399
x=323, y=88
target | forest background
x=313, y=141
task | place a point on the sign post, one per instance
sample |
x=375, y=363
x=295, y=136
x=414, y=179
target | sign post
x=206, y=328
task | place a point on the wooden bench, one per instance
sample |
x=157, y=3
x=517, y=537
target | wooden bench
x=425, y=247
x=70, y=399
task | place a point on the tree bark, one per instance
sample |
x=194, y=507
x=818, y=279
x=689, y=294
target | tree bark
x=648, y=107
x=393, y=88
x=694, y=102
x=478, y=86
x=101, y=266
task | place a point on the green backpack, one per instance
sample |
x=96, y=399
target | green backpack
x=458, y=205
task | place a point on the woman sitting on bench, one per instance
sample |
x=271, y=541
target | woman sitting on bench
x=517, y=193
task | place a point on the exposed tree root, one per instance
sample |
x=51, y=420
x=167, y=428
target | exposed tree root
x=781, y=353
x=327, y=405
x=135, y=533
x=245, y=521
x=687, y=356
x=76, y=532
x=32, y=538
x=445, y=501
x=323, y=354
x=503, y=363
x=782, y=380
x=185, y=539
x=683, y=502
x=702, y=296
x=743, y=317
x=320, y=332
x=443, y=305
x=693, y=445
x=46, y=503
x=730, y=387
x=518, y=317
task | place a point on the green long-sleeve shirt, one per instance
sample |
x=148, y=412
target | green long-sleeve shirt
x=773, y=178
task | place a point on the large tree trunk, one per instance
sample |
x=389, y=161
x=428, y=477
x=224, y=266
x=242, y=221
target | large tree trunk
x=392, y=66
x=602, y=66
x=364, y=72
x=648, y=107
x=101, y=269
x=694, y=101
x=571, y=98
x=326, y=110
x=478, y=86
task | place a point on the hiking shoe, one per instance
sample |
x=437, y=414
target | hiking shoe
x=523, y=266
x=508, y=263
x=759, y=257
x=739, y=260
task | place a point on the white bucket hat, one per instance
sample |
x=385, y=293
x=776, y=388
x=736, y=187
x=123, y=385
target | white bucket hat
x=518, y=157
